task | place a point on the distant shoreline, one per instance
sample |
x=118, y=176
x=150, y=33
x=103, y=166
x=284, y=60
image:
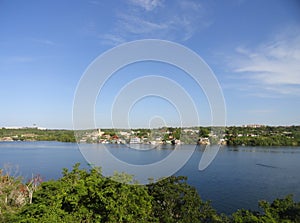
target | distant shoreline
x=254, y=135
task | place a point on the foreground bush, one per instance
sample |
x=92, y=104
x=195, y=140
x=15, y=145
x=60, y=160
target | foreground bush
x=280, y=210
x=81, y=196
x=87, y=196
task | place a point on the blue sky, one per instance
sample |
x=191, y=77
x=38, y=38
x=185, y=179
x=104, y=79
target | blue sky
x=253, y=47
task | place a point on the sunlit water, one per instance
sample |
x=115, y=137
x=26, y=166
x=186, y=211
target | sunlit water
x=237, y=178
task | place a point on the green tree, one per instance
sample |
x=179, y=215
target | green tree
x=280, y=210
x=12, y=192
x=82, y=196
x=176, y=201
x=204, y=132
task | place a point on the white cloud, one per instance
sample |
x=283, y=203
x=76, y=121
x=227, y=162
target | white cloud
x=94, y=2
x=190, y=5
x=260, y=111
x=273, y=66
x=137, y=25
x=148, y=5
x=177, y=21
x=44, y=41
x=110, y=39
x=19, y=59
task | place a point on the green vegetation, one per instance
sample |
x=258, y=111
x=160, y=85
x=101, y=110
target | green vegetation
x=87, y=196
x=204, y=132
x=280, y=210
x=233, y=135
x=263, y=136
x=142, y=133
x=34, y=134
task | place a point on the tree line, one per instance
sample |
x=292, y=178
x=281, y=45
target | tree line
x=263, y=136
x=87, y=196
x=35, y=134
x=233, y=135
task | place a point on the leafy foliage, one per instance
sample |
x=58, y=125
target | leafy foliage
x=263, y=136
x=176, y=201
x=235, y=136
x=87, y=196
x=13, y=193
x=280, y=210
x=38, y=135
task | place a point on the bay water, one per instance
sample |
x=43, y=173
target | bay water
x=237, y=178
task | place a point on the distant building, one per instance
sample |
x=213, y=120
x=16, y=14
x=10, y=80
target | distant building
x=6, y=139
x=100, y=133
x=24, y=127
x=253, y=126
x=135, y=140
x=13, y=127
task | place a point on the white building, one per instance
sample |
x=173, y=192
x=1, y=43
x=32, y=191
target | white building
x=135, y=140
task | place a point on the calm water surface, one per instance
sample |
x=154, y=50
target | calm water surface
x=237, y=178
